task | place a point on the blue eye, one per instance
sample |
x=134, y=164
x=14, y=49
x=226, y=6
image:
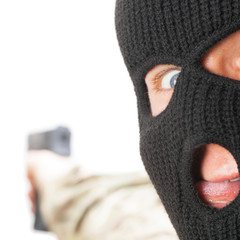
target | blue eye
x=170, y=79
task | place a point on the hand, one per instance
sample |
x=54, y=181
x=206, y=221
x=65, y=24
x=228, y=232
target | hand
x=32, y=191
x=42, y=167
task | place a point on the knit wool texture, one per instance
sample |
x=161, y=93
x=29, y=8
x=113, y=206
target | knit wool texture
x=205, y=108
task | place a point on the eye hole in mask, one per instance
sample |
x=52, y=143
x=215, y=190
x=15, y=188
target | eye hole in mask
x=215, y=175
x=160, y=82
x=224, y=58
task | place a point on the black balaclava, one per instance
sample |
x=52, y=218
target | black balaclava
x=205, y=108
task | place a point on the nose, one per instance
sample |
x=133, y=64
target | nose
x=217, y=164
x=216, y=176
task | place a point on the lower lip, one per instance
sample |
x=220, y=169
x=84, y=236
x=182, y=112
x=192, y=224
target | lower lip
x=218, y=194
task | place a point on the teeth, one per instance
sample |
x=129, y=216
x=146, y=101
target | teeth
x=215, y=201
x=235, y=179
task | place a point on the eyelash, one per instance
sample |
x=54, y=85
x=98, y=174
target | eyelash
x=158, y=78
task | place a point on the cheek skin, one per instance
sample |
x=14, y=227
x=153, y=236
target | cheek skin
x=159, y=101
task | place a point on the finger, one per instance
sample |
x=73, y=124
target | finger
x=32, y=197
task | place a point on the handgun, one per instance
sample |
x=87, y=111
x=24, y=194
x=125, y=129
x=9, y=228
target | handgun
x=57, y=141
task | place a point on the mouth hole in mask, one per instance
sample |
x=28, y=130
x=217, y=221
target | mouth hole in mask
x=224, y=58
x=215, y=175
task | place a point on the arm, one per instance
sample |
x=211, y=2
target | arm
x=78, y=205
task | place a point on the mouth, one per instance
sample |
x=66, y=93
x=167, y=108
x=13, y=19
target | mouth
x=218, y=194
x=215, y=175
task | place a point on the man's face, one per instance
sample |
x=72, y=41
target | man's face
x=216, y=164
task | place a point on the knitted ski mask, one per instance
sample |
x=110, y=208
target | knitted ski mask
x=205, y=108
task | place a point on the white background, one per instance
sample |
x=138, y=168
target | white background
x=60, y=65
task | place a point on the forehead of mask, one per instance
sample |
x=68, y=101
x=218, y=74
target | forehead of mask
x=223, y=59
